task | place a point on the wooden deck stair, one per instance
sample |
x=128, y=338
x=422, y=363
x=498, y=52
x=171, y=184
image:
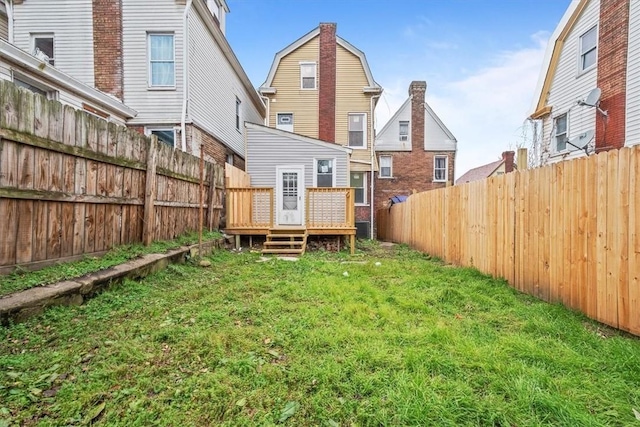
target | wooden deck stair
x=286, y=241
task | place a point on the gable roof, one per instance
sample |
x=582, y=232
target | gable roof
x=552, y=56
x=298, y=137
x=395, y=115
x=373, y=86
x=439, y=122
x=481, y=172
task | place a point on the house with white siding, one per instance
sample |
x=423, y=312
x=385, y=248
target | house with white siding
x=588, y=94
x=169, y=60
x=415, y=150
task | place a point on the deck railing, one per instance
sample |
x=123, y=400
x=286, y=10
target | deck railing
x=326, y=208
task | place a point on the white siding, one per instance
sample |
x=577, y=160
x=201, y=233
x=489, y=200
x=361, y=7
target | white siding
x=4, y=23
x=568, y=86
x=71, y=22
x=213, y=88
x=265, y=151
x=389, y=137
x=138, y=19
x=633, y=76
x=436, y=136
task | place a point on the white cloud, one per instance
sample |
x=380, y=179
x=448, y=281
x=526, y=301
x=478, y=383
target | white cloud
x=486, y=109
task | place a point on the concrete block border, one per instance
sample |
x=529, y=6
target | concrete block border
x=22, y=305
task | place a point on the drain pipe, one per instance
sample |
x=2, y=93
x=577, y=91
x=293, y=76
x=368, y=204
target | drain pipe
x=9, y=7
x=373, y=140
x=185, y=75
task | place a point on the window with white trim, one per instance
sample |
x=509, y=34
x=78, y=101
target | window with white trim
x=284, y=121
x=560, y=133
x=308, y=75
x=325, y=173
x=440, y=169
x=162, y=65
x=229, y=159
x=358, y=180
x=589, y=48
x=403, y=130
x=166, y=135
x=357, y=130
x=43, y=47
x=386, y=170
x=238, y=102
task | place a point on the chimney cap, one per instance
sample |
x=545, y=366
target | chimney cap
x=417, y=85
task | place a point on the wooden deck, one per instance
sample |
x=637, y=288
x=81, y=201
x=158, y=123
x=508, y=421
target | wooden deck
x=328, y=212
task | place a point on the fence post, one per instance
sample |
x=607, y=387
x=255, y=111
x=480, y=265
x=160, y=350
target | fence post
x=150, y=193
x=213, y=200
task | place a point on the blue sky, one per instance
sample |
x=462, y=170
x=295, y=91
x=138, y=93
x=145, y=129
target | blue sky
x=480, y=58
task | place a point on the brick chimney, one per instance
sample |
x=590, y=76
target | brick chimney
x=327, y=83
x=508, y=157
x=107, y=46
x=612, y=73
x=417, y=90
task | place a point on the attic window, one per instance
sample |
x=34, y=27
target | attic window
x=589, y=49
x=403, y=130
x=43, y=47
x=307, y=75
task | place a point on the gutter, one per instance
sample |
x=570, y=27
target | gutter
x=373, y=140
x=185, y=74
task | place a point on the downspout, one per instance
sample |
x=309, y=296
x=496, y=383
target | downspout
x=185, y=75
x=373, y=141
x=9, y=7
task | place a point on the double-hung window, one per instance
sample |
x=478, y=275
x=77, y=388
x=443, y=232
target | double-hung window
x=403, y=130
x=162, y=65
x=324, y=173
x=560, y=133
x=589, y=49
x=440, y=164
x=308, y=75
x=386, y=170
x=43, y=47
x=359, y=182
x=357, y=130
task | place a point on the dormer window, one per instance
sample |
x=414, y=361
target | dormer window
x=42, y=45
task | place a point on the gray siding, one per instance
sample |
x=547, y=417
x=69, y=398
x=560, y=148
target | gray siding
x=389, y=137
x=633, y=76
x=214, y=86
x=436, y=136
x=265, y=151
x=138, y=19
x=71, y=22
x=569, y=85
x=4, y=23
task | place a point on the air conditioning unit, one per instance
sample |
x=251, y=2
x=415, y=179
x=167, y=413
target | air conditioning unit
x=404, y=137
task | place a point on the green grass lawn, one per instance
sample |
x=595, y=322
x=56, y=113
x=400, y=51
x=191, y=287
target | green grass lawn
x=408, y=342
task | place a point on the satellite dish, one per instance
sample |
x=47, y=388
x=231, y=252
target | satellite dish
x=594, y=97
x=580, y=142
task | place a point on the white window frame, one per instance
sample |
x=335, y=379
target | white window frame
x=554, y=134
x=365, y=143
x=400, y=134
x=446, y=168
x=315, y=75
x=582, y=54
x=50, y=93
x=150, y=84
x=34, y=36
x=148, y=130
x=238, y=114
x=278, y=115
x=364, y=188
x=333, y=171
x=229, y=159
x=380, y=175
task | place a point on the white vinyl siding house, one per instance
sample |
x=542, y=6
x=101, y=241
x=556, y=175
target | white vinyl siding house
x=570, y=84
x=4, y=21
x=633, y=77
x=215, y=87
x=71, y=28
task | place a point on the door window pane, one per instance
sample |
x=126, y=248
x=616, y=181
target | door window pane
x=290, y=191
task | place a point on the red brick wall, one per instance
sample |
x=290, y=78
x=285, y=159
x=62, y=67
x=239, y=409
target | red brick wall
x=612, y=72
x=327, y=83
x=213, y=149
x=107, y=46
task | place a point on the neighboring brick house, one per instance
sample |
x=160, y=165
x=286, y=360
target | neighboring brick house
x=499, y=167
x=416, y=152
x=167, y=59
x=596, y=45
x=321, y=86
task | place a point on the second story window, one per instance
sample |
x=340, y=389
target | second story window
x=308, y=75
x=238, y=113
x=560, y=133
x=440, y=172
x=162, y=65
x=357, y=130
x=385, y=167
x=589, y=49
x=43, y=47
x=403, y=132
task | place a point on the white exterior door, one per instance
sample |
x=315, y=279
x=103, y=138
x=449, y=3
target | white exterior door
x=290, y=195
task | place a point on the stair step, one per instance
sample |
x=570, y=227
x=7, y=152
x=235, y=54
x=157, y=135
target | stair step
x=285, y=236
x=285, y=243
x=283, y=251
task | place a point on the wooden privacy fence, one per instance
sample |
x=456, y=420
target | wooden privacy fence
x=73, y=184
x=568, y=233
